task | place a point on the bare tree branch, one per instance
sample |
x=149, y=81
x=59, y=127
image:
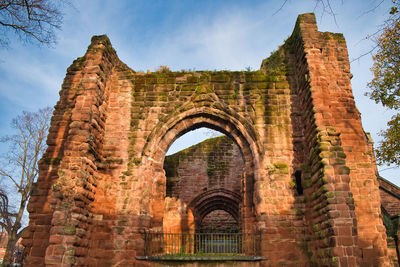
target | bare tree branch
x=19, y=168
x=5, y=174
x=372, y=9
x=326, y=8
x=30, y=20
x=279, y=9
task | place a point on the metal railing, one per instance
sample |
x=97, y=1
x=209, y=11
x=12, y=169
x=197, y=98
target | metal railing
x=209, y=245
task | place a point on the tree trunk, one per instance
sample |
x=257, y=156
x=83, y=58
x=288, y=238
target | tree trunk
x=9, y=255
x=396, y=242
x=13, y=236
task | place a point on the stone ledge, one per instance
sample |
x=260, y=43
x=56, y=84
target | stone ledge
x=201, y=258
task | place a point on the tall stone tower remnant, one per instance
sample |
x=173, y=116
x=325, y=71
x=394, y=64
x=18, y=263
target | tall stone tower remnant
x=294, y=121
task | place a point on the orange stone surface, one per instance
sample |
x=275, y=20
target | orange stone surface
x=102, y=181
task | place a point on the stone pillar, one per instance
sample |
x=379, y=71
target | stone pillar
x=347, y=170
x=60, y=207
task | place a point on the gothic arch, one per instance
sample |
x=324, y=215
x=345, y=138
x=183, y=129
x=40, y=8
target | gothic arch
x=217, y=199
x=202, y=111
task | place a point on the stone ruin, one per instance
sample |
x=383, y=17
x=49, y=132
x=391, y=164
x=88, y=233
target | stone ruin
x=306, y=177
x=216, y=164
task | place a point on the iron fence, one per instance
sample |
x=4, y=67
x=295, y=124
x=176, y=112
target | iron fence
x=202, y=244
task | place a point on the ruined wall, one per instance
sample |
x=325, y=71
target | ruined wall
x=339, y=167
x=329, y=211
x=60, y=210
x=102, y=182
x=390, y=196
x=219, y=221
x=210, y=165
x=214, y=163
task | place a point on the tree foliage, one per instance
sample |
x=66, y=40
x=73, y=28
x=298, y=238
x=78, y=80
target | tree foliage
x=19, y=170
x=385, y=86
x=30, y=20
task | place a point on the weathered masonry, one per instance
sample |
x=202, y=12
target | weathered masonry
x=216, y=164
x=102, y=184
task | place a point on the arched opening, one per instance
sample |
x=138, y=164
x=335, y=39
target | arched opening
x=217, y=211
x=203, y=186
x=187, y=118
x=174, y=221
x=219, y=221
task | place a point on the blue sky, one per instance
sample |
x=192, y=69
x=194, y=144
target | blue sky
x=185, y=34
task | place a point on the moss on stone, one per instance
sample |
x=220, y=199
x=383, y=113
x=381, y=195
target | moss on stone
x=275, y=65
x=307, y=183
x=193, y=79
x=70, y=251
x=220, y=77
x=69, y=229
x=281, y=166
x=171, y=164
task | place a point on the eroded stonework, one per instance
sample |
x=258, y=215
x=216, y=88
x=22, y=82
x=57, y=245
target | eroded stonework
x=102, y=182
x=221, y=152
x=204, y=187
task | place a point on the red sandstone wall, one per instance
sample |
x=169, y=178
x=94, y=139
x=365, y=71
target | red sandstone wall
x=340, y=172
x=60, y=211
x=219, y=220
x=101, y=181
x=213, y=164
x=328, y=206
x=390, y=196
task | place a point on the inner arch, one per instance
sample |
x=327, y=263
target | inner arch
x=211, y=201
x=222, y=119
x=170, y=129
x=218, y=221
x=202, y=179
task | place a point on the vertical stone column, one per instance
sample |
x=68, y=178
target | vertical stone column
x=68, y=170
x=279, y=215
x=349, y=167
x=112, y=230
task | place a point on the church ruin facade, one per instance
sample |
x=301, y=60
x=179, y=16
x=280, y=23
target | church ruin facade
x=305, y=181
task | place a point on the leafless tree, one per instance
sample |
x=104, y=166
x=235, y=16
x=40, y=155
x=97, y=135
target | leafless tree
x=30, y=20
x=19, y=170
